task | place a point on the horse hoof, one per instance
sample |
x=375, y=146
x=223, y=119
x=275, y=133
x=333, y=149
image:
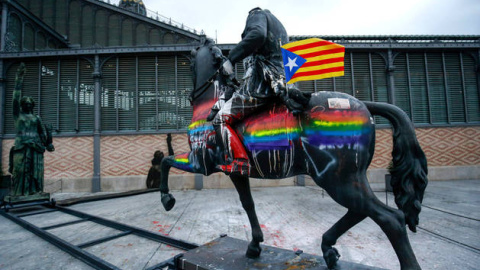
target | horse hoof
x=168, y=201
x=253, y=250
x=331, y=258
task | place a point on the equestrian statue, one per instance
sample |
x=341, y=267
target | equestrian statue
x=269, y=130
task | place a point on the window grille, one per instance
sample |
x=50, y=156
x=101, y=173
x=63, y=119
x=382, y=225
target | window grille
x=184, y=88
x=402, y=84
x=109, y=95
x=126, y=97
x=471, y=88
x=86, y=92
x=157, y=100
x=419, y=90
x=454, y=86
x=324, y=85
x=344, y=83
x=436, y=87
x=69, y=83
x=361, y=78
x=47, y=103
x=147, y=95
x=167, y=96
x=379, y=83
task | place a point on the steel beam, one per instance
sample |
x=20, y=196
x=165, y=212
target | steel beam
x=136, y=231
x=100, y=51
x=104, y=239
x=390, y=78
x=77, y=252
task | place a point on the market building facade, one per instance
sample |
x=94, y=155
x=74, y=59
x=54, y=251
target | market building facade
x=113, y=80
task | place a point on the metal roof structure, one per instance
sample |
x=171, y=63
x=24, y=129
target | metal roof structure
x=401, y=41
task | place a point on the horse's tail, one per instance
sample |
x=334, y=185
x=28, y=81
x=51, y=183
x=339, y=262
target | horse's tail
x=409, y=166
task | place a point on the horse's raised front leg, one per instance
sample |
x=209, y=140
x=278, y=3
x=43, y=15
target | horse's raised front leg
x=181, y=162
x=242, y=184
x=330, y=254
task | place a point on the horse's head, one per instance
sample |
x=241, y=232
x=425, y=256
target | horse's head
x=207, y=59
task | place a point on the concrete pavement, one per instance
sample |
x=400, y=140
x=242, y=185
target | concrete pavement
x=291, y=218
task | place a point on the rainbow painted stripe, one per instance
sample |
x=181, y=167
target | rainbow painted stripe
x=330, y=128
x=182, y=162
x=337, y=128
x=199, y=126
x=271, y=131
x=199, y=123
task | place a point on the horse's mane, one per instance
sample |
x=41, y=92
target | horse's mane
x=217, y=59
x=204, y=42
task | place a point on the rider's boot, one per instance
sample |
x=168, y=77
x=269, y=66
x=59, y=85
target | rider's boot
x=235, y=155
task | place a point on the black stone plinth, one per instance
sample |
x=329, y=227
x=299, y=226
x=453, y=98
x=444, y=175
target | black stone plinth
x=229, y=253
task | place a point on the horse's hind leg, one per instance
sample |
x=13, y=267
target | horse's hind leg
x=330, y=254
x=392, y=222
x=359, y=198
x=242, y=184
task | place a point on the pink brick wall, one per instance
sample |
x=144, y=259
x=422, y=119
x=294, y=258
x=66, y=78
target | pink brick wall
x=131, y=155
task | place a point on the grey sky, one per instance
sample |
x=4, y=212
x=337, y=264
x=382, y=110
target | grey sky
x=226, y=19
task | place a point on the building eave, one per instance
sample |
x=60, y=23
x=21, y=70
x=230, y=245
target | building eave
x=400, y=41
x=101, y=51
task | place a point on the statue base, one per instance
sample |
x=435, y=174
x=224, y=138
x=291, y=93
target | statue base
x=229, y=253
x=11, y=201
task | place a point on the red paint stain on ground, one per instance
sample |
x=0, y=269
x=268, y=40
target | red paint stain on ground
x=163, y=229
x=275, y=238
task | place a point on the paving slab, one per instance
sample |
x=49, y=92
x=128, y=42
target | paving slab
x=291, y=218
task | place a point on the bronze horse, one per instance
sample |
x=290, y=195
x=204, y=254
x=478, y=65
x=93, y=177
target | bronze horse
x=333, y=141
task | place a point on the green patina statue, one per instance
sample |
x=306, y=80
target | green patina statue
x=31, y=141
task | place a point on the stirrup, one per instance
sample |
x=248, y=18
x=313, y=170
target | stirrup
x=238, y=166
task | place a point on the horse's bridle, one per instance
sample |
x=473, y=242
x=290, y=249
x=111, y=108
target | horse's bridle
x=203, y=87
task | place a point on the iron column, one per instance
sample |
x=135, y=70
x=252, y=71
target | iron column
x=97, y=76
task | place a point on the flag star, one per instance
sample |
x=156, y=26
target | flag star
x=292, y=63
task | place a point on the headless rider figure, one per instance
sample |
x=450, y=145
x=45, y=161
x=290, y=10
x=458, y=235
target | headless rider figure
x=264, y=80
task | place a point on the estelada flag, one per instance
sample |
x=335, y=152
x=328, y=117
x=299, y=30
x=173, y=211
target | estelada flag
x=312, y=59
